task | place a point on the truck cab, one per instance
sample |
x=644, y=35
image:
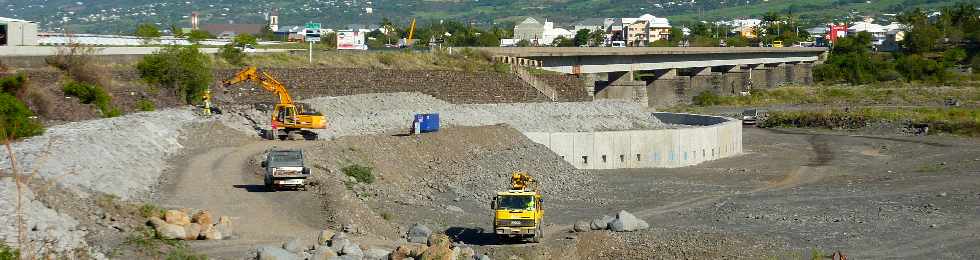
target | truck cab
x=284, y=168
x=518, y=214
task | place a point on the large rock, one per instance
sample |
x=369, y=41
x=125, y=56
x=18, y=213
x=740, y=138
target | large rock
x=293, y=246
x=374, y=253
x=192, y=231
x=324, y=236
x=167, y=230
x=627, y=222
x=439, y=248
x=601, y=223
x=224, y=226
x=582, y=226
x=464, y=253
x=403, y=252
x=276, y=253
x=212, y=233
x=323, y=253
x=352, y=249
x=177, y=217
x=338, y=244
x=203, y=217
x=419, y=233
x=483, y=257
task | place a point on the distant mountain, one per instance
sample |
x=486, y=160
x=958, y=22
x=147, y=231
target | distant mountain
x=115, y=16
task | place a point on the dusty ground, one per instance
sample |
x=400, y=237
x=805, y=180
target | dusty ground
x=791, y=193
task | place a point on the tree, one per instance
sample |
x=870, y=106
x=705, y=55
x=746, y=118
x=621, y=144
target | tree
x=581, y=37
x=184, y=69
x=233, y=55
x=488, y=40
x=244, y=39
x=147, y=32
x=329, y=40
x=597, y=38
x=176, y=31
x=198, y=35
x=561, y=41
x=266, y=34
x=523, y=43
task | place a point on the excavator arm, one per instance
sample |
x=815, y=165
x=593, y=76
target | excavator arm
x=267, y=82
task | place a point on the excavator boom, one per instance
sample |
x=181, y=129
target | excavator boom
x=267, y=82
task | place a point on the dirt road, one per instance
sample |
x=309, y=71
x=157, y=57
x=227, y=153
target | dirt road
x=225, y=181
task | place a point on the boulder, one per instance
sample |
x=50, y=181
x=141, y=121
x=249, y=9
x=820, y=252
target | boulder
x=177, y=217
x=627, y=222
x=601, y=223
x=439, y=248
x=275, y=253
x=293, y=246
x=224, y=226
x=351, y=249
x=211, y=233
x=464, y=253
x=484, y=257
x=374, y=253
x=203, y=217
x=323, y=253
x=582, y=226
x=419, y=233
x=192, y=231
x=337, y=245
x=167, y=230
x=324, y=236
x=338, y=236
x=407, y=251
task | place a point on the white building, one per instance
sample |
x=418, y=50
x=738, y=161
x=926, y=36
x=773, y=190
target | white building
x=16, y=32
x=879, y=33
x=551, y=33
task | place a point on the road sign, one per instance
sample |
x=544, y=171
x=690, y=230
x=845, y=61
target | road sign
x=313, y=26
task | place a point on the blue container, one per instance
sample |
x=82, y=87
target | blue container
x=426, y=122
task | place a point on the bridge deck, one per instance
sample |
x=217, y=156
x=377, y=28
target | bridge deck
x=633, y=51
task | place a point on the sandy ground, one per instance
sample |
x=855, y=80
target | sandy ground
x=792, y=192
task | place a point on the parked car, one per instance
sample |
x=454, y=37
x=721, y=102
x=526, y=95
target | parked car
x=752, y=116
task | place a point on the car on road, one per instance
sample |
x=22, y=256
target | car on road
x=248, y=48
x=752, y=116
x=284, y=168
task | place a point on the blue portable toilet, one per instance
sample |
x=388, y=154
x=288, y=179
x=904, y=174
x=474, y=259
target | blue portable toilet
x=425, y=123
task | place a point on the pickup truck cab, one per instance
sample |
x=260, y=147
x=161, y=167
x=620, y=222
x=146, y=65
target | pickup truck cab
x=284, y=168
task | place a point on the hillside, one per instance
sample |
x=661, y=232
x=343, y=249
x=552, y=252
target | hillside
x=103, y=16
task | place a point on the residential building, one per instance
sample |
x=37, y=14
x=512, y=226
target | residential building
x=530, y=29
x=551, y=33
x=16, y=32
x=747, y=31
x=637, y=34
x=591, y=24
x=879, y=33
x=659, y=29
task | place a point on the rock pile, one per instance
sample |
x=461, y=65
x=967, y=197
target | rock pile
x=179, y=224
x=339, y=245
x=623, y=222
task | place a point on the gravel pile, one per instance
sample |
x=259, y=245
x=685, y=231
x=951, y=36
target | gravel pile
x=377, y=113
x=121, y=156
x=45, y=227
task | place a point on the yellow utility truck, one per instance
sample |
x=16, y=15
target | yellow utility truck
x=518, y=212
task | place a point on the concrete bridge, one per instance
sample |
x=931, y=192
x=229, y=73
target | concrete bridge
x=667, y=76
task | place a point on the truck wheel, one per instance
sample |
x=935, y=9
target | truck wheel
x=538, y=235
x=269, y=186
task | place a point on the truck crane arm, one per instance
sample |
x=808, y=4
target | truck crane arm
x=523, y=181
x=269, y=83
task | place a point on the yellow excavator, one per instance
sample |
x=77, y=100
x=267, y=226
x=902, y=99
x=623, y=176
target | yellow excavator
x=287, y=118
x=518, y=212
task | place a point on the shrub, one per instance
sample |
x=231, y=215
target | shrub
x=145, y=105
x=92, y=94
x=182, y=68
x=360, y=173
x=13, y=84
x=79, y=62
x=16, y=120
x=501, y=68
x=150, y=210
x=231, y=54
x=8, y=253
x=706, y=98
x=387, y=59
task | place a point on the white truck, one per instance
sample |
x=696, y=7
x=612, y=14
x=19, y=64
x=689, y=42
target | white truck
x=284, y=168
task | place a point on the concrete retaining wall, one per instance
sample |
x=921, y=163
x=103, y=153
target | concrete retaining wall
x=709, y=138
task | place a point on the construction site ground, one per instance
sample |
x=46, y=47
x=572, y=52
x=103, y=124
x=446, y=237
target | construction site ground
x=793, y=193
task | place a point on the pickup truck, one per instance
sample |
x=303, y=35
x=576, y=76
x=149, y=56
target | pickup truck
x=284, y=168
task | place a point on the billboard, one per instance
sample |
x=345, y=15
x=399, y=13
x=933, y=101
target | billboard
x=351, y=40
x=836, y=31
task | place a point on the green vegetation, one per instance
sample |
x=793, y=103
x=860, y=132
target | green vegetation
x=849, y=95
x=183, y=69
x=930, y=48
x=198, y=35
x=149, y=244
x=147, y=31
x=92, y=94
x=360, y=173
x=16, y=120
x=957, y=121
x=231, y=54
x=151, y=210
x=145, y=105
x=8, y=253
